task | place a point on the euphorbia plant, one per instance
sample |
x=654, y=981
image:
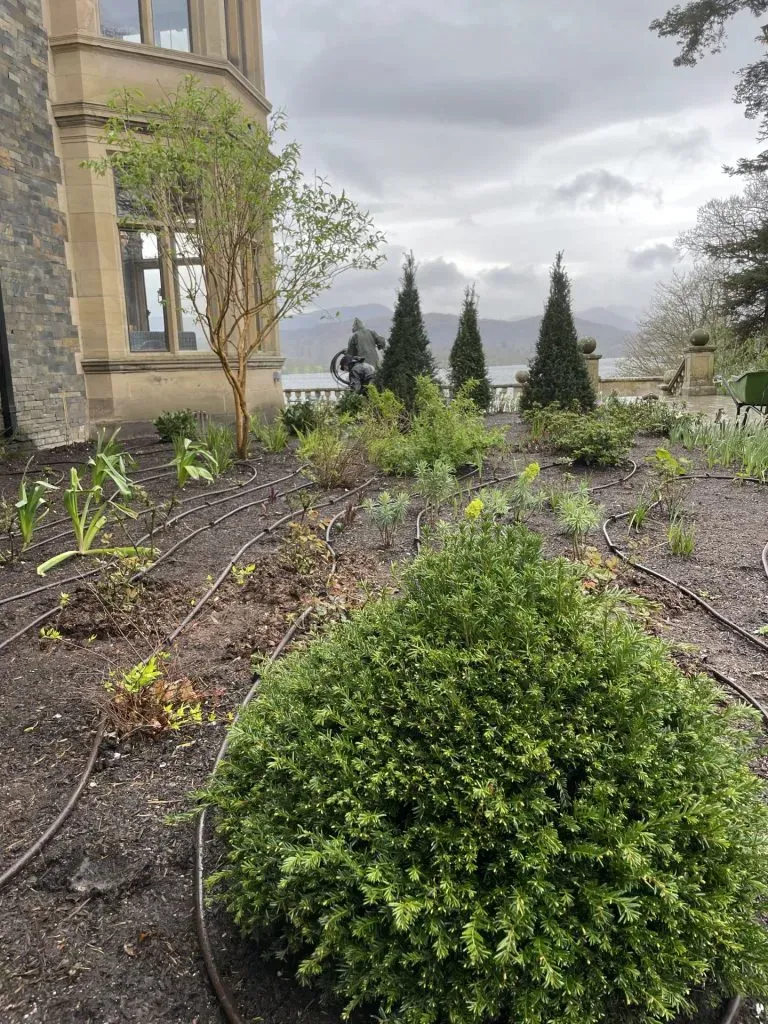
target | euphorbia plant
x=88, y=509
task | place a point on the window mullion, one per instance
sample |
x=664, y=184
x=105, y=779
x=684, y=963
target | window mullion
x=172, y=294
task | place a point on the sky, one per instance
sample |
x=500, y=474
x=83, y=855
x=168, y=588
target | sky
x=486, y=135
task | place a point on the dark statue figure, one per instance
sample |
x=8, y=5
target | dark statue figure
x=365, y=344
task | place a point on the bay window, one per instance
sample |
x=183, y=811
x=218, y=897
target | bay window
x=164, y=23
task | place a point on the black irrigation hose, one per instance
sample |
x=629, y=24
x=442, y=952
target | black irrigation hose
x=708, y=608
x=210, y=526
x=144, y=512
x=249, y=544
x=732, y=1011
x=51, y=831
x=222, y=992
x=142, y=572
x=514, y=476
x=32, y=851
x=244, y=488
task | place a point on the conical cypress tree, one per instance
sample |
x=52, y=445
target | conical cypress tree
x=558, y=371
x=407, y=355
x=467, y=357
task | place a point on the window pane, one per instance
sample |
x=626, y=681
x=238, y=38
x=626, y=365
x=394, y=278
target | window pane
x=235, y=17
x=241, y=19
x=230, y=15
x=120, y=20
x=192, y=297
x=171, y=19
x=147, y=324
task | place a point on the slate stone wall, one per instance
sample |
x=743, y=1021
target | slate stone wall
x=48, y=385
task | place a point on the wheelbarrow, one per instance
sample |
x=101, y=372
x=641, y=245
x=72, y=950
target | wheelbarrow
x=750, y=392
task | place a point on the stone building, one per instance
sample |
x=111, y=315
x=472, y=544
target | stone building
x=94, y=329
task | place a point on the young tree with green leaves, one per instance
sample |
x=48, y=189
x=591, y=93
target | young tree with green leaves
x=259, y=240
x=558, y=371
x=408, y=355
x=467, y=359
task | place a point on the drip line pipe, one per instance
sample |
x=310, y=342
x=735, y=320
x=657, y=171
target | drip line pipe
x=243, y=488
x=246, y=547
x=33, y=850
x=52, y=830
x=708, y=608
x=222, y=992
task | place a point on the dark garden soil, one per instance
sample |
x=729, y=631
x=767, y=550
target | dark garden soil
x=99, y=928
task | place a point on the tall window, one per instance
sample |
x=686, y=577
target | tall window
x=121, y=19
x=171, y=23
x=165, y=23
x=190, y=288
x=144, y=292
x=236, y=49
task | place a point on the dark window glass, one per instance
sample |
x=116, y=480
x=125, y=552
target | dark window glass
x=120, y=19
x=235, y=15
x=190, y=285
x=144, y=296
x=233, y=44
x=171, y=20
x=241, y=19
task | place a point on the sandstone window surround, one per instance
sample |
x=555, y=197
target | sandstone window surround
x=163, y=23
x=160, y=270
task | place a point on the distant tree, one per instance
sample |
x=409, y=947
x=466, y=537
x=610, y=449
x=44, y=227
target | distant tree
x=732, y=235
x=467, y=359
x=689, y=300
x=407, y=355
x=700, y=25
x=558, y=371
x=259, y=240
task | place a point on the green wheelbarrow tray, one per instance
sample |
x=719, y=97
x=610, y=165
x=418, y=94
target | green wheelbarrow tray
x=749, y=390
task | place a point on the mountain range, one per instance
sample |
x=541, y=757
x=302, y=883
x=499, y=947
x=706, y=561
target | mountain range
x=310, y=341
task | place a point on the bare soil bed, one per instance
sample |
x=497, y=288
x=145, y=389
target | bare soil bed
x=99, y=928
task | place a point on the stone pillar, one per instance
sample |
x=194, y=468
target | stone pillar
x=592, y=359
x=699, y=367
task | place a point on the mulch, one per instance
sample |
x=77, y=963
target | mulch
x=99, y=928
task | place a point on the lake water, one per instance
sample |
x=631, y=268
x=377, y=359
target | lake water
x=498, y=374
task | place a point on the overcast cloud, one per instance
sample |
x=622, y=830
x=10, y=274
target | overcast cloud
x=488, y=134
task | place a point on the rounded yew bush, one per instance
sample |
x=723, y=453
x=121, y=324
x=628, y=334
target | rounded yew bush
x=497, y=798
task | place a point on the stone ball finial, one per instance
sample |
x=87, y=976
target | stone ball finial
x=522, y=376
x=588, y=346
x=700, y=338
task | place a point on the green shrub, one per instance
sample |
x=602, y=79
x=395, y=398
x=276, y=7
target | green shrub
x=351, y=404
x=170, y=425
x=497, y=798
x=590, y=438
x=301, y=417
x=333, y=454
x=656, y=419
x=452, y=432
x=273, y=437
